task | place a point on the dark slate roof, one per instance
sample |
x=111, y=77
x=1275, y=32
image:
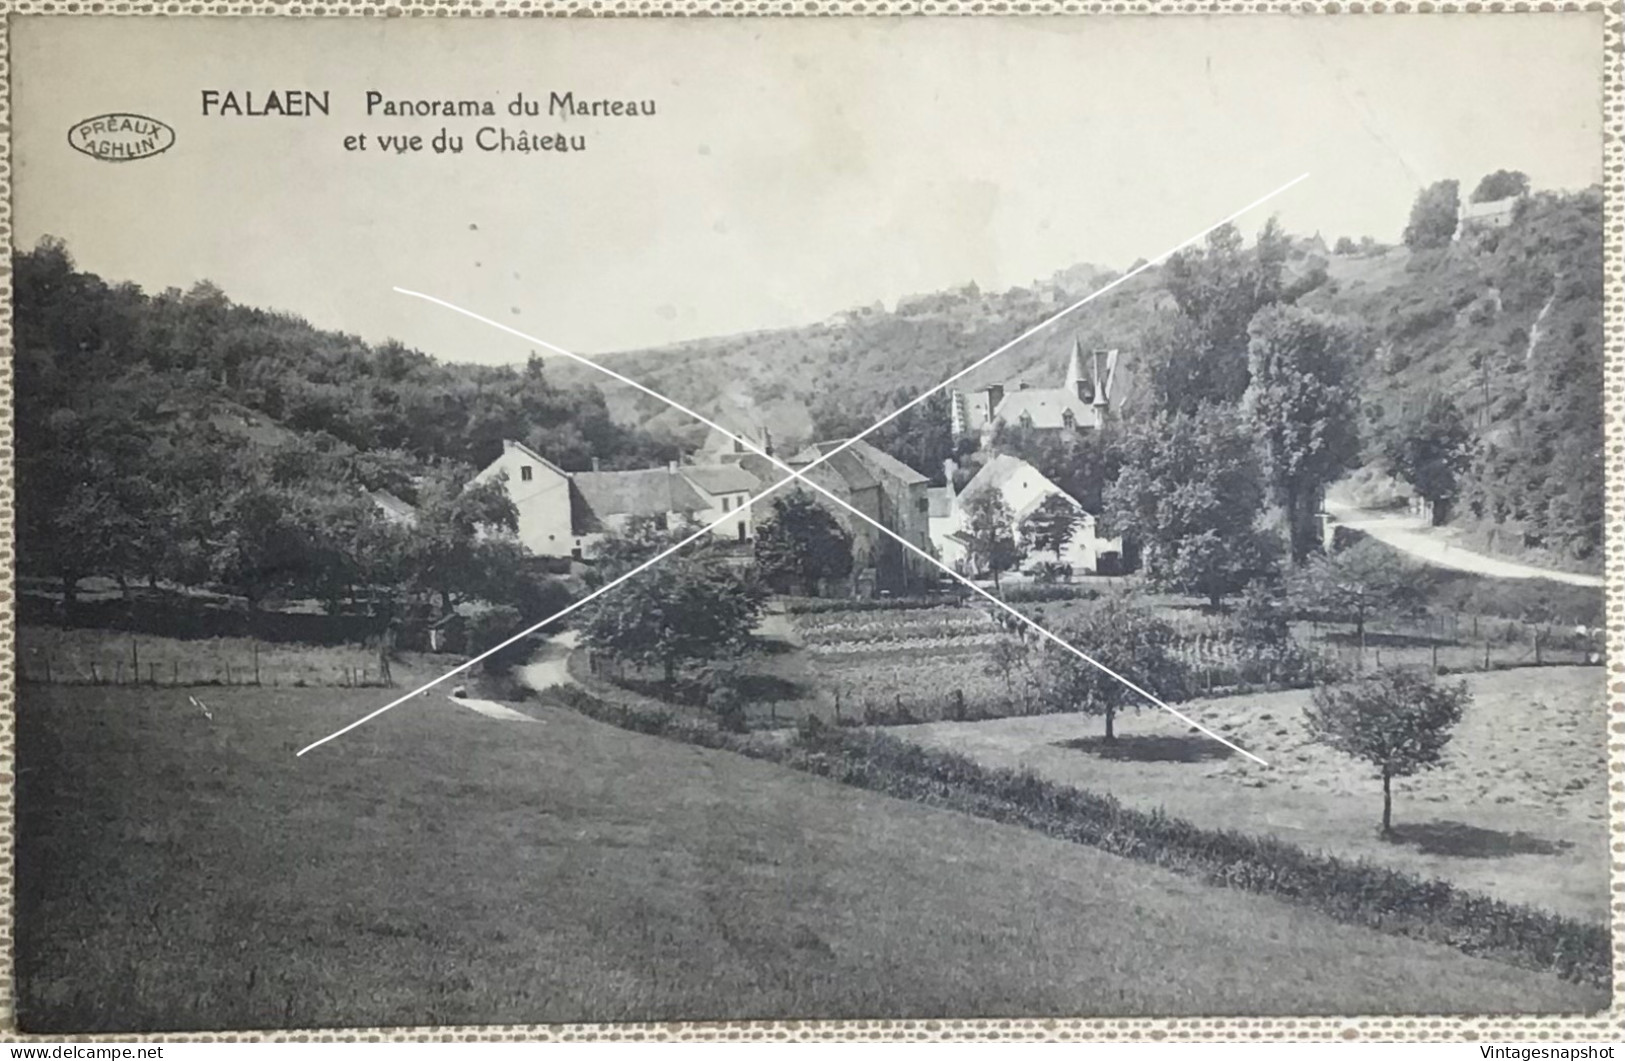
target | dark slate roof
x=720, y=478
x=1046, y=406
x=872, y=462
x=645, y=492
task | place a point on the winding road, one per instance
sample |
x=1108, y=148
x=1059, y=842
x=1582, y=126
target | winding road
x=1414, y=537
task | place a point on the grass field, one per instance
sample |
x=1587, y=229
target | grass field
x=436, y=866
x=1518, y=811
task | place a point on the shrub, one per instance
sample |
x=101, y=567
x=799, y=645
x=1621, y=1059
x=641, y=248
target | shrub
x=1051, y=571
x=494, y=626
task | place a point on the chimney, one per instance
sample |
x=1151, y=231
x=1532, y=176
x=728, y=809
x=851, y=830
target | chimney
x=595, y=464
x=767, y=442
x=995, y=395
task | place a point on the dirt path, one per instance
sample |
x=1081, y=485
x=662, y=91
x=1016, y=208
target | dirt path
x=549, y=666
x=1431, y=545
x=491, y=709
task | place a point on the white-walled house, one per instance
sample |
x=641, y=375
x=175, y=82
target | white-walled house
x=725, y=488
x=542, y=493
x=1024, y=488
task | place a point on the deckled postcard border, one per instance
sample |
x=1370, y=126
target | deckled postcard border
x=1554, y=1029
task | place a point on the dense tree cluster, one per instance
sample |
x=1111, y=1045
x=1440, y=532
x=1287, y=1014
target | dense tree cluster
x=179, y=438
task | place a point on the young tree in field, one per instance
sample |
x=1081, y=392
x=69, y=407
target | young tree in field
x=1429, y=448
x=1301, y=405
x=1502, y=184
x=1190, y=491
x=1050, y=526
x=1396, y=720
x=1122, y=634
x=1356, y=583
x=1434, y=216
x=990, y=530
x=1008, y=658
x=679, y=612
x=801, y=544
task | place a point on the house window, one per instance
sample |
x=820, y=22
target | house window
x=727, y=503
x=524, y=473
x=923, y=504
x=1069, y=420
x=1027, y=420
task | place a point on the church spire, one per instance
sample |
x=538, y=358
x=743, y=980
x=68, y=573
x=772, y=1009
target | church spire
x=1075, y=379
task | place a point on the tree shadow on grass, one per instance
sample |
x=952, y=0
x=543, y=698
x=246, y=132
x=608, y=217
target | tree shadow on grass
x=1189, y=748
x=1470, y=841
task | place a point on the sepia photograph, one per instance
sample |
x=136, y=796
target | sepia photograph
x=651, y=520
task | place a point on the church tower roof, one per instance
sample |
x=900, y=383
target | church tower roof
x=1074, y=367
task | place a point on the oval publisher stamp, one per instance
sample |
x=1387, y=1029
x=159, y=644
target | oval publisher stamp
x=121, y=137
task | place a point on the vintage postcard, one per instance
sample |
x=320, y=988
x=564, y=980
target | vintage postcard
x=564, y=520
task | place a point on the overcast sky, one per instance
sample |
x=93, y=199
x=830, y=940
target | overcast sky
x=794, y=168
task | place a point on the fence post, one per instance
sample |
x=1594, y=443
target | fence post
x=174, y=672
x=256, y=647
x=135, y=663
x=47, y=668
x=228, y=672
x=95, y=675
x=1435, y=655
x=118, y=673
x=1486, y=653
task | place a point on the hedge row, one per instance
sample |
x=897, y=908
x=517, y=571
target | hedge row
x=1031, y=593
x=1355, y=892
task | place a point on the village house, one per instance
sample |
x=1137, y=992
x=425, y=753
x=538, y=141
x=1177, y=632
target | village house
x=1024, y=488
x=881, y=487
x=725, y=488
x=745, y=430
x=566, y=514
x=1081, y=403
x=609, y=501
x=551, y=522
x=1475, y=219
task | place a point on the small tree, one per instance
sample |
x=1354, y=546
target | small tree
x=1397, y=720
x=1050, y=526
x=1434, y=216
x=1006, y=660
x=1356, y=583
x=1124, y=635
x=1502, y=184
x=990, y=529
x=801, y=544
